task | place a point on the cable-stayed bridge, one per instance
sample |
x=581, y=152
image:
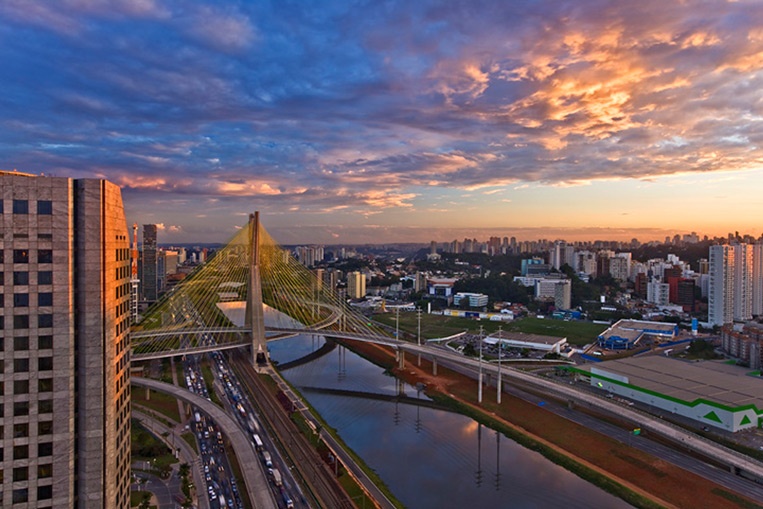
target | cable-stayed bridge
x=249, y=292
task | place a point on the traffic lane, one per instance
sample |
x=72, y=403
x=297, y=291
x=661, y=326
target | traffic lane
x=676, y=457
x=710, y=472
x=255, y=480
x=160, y=490
x=186, y=452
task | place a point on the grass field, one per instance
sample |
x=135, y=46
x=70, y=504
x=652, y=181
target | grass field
x=437, y=326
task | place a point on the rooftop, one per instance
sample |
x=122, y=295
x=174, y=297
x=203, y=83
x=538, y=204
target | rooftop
x=712, y=380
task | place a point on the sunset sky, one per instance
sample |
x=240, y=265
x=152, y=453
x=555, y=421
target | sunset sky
x=368, y=121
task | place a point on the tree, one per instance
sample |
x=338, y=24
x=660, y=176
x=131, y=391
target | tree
x=145, y=500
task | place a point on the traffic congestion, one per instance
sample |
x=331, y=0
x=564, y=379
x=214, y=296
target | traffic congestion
x=221, y=487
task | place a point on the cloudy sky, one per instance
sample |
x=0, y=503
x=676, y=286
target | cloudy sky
x=372, y=121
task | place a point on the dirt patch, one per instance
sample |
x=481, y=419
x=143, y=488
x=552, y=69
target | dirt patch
x=650, y=476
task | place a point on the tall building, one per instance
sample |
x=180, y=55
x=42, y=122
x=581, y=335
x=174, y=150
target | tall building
x=65, y=276
x=743, y=282
x=720, y=291
x=149, y=277
x=757, y=279
x=356, y=285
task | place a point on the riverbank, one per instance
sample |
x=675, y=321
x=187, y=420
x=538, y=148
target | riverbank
x=627, y=472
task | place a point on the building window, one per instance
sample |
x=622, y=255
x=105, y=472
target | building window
x=45, y=342
x=20, y=365
x=21, y=496
x=45, y=299
x=20, y=430
x=44, y=492
x=20, y=408
x=21, y=387
x=21, y=300
x=20, y=452
x=45, y=277
x=44, y=471
x=21, y=278
x=45, y=449
x=44, y=207
x=45, y=363
x=20, y=207
x=20, y=322
x=20, y=474
x=20, y=256
x=45, y=385
x=21, y=343
x=45, y=406
x=2, y=278
x=44, y=321
x=45, y=428
x=44, y=256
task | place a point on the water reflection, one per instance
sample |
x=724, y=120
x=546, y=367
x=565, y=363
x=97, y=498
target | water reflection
x=431, y=458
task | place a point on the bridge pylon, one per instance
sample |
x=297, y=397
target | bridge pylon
x=255, y=315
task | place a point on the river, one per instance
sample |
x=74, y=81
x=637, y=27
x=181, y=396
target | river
x=429, y=458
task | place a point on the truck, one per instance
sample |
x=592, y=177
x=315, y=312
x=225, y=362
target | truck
x=267, y=459
x=257, y=441
x=277, y=477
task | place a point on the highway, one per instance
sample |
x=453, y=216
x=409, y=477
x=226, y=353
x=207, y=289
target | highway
x=256, y=482
x=316, y=476
x=565, y=391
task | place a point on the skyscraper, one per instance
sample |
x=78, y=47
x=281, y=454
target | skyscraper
x=757, y=279
x=65, y=276
x=743, y=282
x=149, y=278
x=356, y=285
x=720, y=293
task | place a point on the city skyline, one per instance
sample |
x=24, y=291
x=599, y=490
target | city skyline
x=395, y=122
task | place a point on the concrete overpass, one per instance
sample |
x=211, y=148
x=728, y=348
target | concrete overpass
x=256, y=481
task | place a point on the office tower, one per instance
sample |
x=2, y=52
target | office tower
x=356, y=285
x=720, y=292
x=149, y=278
x=65, y=275
x=743, y=264
x=563, y=294
x=757, y=279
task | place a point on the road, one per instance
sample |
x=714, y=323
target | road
x=685, y=439
x=256, y=482
x=187, y=453
x=319, y=480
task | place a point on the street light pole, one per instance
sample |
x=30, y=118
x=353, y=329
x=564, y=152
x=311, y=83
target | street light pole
x=397, y=323
x=479, y=391
x=418, y=316
x=500, y=354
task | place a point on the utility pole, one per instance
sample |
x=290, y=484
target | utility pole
x=479, y=391
x=397, y=323
x=500, y=354
x=418, y=316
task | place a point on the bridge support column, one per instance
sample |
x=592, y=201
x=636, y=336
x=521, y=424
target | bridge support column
x=255, y=320
x=434, y=366
x=400, y=359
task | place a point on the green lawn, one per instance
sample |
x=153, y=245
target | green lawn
x=158, y=401
x=437, y=326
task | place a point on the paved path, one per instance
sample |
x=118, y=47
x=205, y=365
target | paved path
x=254, y=477
x=187, y=454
